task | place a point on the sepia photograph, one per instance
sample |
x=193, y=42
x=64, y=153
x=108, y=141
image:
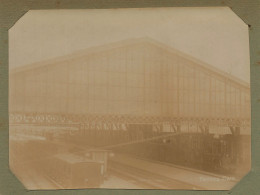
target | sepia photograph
x=130, y=98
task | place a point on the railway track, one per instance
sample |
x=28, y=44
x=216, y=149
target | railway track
x=148, y=180
x=143, y=173
x=154, y=175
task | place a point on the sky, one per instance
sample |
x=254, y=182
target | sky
x=214, y=35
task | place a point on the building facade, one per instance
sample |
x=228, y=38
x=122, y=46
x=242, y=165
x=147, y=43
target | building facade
x=139, y=77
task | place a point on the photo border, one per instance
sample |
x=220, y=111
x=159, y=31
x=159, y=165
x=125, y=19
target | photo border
x=12, y=10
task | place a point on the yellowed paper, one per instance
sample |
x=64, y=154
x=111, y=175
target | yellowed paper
x=151, y=98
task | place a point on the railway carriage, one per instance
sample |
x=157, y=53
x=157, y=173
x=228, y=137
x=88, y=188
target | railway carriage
x=73, y=171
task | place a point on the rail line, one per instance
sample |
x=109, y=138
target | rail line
x=149, y=180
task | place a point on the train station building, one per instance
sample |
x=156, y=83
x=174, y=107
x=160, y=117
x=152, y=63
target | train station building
x=138, y=97
x=137, y=79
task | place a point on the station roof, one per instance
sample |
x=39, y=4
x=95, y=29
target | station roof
x=129, y=42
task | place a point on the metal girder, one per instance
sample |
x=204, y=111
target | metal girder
x=120, y=122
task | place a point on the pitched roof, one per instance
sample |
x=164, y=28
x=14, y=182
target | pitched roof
x=129, y=42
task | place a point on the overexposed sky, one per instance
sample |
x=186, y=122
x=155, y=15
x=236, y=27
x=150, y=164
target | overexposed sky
x=214, y=35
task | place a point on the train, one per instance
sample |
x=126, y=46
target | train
x=64, y=165
x=73, y=171
x=77, y=168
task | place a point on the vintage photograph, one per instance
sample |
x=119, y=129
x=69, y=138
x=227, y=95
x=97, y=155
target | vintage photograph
x=133, y=98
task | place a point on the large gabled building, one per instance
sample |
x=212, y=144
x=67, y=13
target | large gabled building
x=135, y=96
x=136, y=77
